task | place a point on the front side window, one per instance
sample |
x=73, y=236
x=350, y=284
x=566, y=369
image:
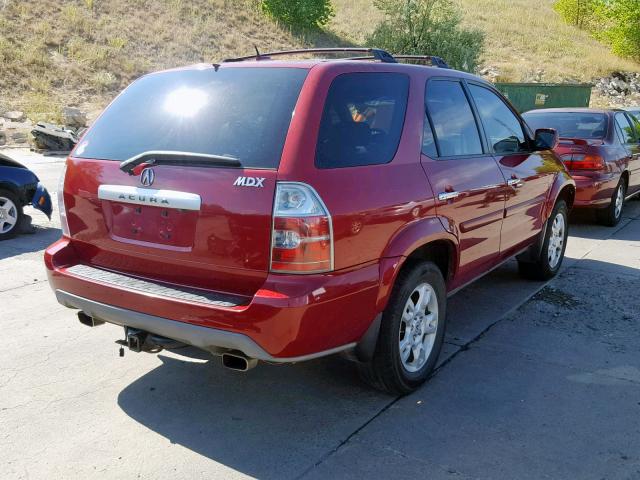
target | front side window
x=501, y=125
x=454, y=125
x=362, y=119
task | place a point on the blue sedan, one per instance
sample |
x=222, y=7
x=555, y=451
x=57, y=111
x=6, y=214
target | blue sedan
x=19, y=187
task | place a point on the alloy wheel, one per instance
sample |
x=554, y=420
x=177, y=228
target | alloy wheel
x=8, y=215
x=418, y=327
x=556, y=240
x=619, y=201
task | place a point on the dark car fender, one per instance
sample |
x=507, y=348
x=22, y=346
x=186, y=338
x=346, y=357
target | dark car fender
x=42, y=200
x=18, y=179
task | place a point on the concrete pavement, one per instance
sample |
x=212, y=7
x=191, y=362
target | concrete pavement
x=536, y=381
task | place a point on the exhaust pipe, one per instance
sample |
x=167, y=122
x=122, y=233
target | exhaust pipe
x=238, y=362
x=88, y=320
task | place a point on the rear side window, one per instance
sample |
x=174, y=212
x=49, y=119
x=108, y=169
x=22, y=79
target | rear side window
x=453, y=122
x=502, y=127
x=362, y=119
x=237, y=112
x=624, y=128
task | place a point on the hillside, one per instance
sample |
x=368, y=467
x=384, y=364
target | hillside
x=522, y=37
x=81, y=52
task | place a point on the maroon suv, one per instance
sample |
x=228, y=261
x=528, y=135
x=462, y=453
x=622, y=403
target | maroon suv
x=281, y=211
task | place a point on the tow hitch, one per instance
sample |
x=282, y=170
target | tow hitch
x=134, y=339
x=140, y=341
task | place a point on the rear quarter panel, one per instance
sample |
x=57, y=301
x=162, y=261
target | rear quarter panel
x=369, y=204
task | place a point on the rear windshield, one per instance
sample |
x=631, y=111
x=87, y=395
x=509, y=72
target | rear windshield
x=570, y=125
x=242, y=113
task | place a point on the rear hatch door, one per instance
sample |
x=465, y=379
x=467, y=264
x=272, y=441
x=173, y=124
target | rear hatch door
x=175, y=181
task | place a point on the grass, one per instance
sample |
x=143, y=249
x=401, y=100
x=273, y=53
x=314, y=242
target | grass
x=82, y=52
x=522, y=37
x=85, y=51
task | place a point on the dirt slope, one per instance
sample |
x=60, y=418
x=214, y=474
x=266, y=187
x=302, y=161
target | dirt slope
x=81, y=52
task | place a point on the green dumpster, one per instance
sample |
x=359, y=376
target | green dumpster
x=531, y=96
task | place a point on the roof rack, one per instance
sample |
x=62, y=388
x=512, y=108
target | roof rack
x=435, y=61
x=376, y=54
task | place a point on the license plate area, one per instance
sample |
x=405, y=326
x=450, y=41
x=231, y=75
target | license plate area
x=155, y=226
x=158, y=218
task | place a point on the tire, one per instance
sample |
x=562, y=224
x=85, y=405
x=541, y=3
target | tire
x=387, y=371
x=11, y=213
x=611, y=215
x=549, y=261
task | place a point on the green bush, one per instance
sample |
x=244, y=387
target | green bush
x=300, y=14
x=427, y=27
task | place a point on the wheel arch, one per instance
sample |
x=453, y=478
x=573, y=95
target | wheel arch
x=17, y=190
x=625, y=176
x=563, y=187
x=426, y=240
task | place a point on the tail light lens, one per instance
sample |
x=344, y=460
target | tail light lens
x=302, y=236
x=583, y=161
x=61, y=208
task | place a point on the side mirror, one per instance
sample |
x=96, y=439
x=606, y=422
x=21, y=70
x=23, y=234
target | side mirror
x=546, y=139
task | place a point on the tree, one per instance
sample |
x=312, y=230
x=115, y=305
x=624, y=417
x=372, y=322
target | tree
x=622, y=29
x=427, y=27
x=301, y=14
x=583, y=14
x=616, y=22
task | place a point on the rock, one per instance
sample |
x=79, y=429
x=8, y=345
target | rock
x=15, y=116
x=489, y=72
x=20, y=137
x=3, y=138
x=26, y=125
x=74, y=117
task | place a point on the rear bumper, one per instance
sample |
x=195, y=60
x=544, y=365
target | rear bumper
x=594, y=191
x=291, y=318
x=210, y=339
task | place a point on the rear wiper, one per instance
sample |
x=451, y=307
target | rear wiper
x=155, y=157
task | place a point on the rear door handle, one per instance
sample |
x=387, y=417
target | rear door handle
x=444, y=196
x=515, y=183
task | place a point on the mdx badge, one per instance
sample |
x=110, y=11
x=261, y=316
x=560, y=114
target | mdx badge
x=249, y=182
x=147, y=177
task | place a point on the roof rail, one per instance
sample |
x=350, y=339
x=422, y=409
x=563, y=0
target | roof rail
x=435, y=61
x=376, y=54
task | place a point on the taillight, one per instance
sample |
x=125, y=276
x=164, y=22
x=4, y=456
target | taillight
x=302, y=236
x=61, y=209
x=583, y=161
